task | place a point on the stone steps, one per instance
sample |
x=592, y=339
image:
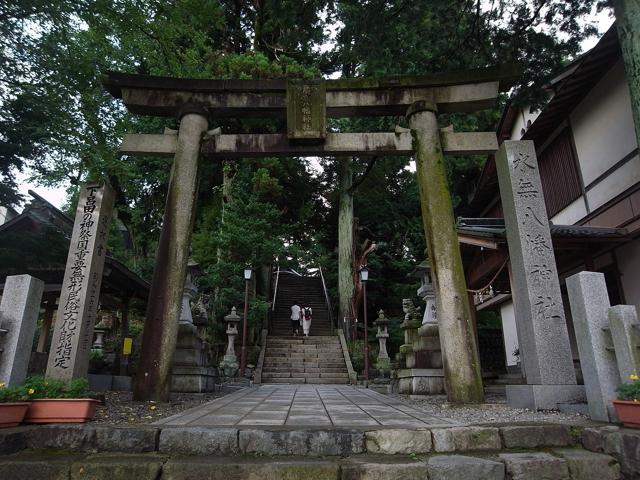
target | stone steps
x=304, y=360
x=526, y=452
x=309, y=348
x=561, y=465
x=288, y=340
x=333, y=375
x=317, y=356
x=284, y=364
x=306, y=291
x=303, y=369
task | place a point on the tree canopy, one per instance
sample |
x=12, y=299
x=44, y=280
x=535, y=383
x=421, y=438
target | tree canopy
x=57, y=120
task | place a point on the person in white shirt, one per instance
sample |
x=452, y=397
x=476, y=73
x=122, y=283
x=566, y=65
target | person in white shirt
x=306, y=320
x=295, y=318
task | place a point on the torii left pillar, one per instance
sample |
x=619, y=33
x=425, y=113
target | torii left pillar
x=460, y=358
x=165, y=299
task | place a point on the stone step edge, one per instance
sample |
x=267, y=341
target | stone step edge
x=287, y=441
x=563, y=462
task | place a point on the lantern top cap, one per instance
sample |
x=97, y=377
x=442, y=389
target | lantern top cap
x=364, y=273
x=233, y=316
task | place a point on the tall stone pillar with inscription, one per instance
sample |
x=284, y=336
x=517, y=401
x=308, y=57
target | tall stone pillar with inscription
x=73, y=331
x=460, y=357
x=540, y=322
x=153, y=377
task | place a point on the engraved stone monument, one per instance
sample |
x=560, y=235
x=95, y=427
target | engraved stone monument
x=73, y=332
x=540, y=321
x=18, y=318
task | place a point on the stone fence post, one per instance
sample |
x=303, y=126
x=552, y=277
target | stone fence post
x=625, y=333
x=18, y=318
x=589, y=309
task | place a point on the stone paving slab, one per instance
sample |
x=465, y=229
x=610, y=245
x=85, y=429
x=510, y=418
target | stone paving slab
x=305, y=405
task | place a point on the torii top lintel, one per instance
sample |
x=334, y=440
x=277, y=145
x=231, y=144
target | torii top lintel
x=461, y=91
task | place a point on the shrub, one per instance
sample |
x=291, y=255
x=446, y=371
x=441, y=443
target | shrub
x=17, y=393
x=40, y=387
x=630, y=391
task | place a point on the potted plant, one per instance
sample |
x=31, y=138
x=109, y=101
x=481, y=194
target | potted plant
x=13, y=406
x=628, y=404
x=59, y=401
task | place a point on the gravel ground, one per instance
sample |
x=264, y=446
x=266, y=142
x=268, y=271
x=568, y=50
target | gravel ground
x=119, y=408
x=495, y=410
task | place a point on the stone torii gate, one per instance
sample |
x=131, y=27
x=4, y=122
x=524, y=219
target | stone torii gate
x=306, y=104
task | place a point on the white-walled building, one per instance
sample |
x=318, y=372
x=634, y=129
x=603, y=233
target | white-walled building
x=590, y=170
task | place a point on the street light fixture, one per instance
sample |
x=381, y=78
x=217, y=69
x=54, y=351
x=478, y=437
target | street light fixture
x=248, y=271
x=364, y=277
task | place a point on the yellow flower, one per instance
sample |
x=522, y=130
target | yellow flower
x=634, y=376
x=2, y=385
x=31, y=391
x=152, y=407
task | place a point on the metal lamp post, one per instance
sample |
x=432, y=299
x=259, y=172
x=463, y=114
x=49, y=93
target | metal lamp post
x=364, y=277
x=243, y=356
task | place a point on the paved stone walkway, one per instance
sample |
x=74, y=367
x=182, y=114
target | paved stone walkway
x=305, y=405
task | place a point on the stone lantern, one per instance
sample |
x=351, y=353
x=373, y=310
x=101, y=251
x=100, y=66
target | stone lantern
x=422, y=371
x=189, y=292
x=229, y=364
x=99, y=341
x=382, y=323
x=427, y=292
x=105, y=324
x=191, y=369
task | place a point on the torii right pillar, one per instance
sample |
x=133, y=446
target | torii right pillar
x=542, y=330
x=460, y=358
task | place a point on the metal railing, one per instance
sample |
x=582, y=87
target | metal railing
x=275, y=290
x=326, y=296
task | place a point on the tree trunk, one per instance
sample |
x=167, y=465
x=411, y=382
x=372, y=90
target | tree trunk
x=628, y=17
x=227, y=180
x=345, y=243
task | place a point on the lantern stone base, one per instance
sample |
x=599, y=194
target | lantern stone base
x=229, y=366
x=190, y=371
x=193, y=379
x=419, y=381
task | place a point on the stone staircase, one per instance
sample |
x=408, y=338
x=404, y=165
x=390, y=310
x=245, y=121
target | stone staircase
x=317, y=359
x=306, y=292
x=526, y=452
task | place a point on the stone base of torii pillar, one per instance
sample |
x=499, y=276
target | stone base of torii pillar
x=191, y=371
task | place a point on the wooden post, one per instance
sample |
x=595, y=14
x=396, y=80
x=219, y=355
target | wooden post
x=460, y=357
x=165, y=299
x=124, y=332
